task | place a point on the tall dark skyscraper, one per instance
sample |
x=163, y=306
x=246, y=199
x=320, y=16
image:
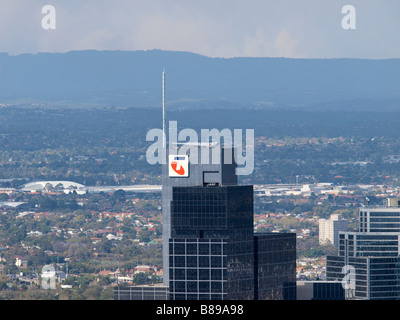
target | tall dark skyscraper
x=179, y=171
x=214, y=253
x=211, y=246
x=275, y=266
x=210, y=250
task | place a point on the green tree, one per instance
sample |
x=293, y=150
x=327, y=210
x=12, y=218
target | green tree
x=140, y=278
x=93, y=292
x=145, y=235
x=3, y=197
x=107, y=294
x=105, y=245
x=118, y=196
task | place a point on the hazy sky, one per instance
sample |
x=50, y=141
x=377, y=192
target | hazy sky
x=218, y=28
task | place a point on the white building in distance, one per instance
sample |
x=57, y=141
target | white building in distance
x=329, y=229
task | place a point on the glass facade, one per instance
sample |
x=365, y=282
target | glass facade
x=275, y=266
x=198, y=269
x=320, y=290
x=214, y=254
x=379, y=220
x=375, y=244
x=373, y=252
x=384, y=280
x=145, y=292
x=212, y=208
x=334, y=266
x=199, y=174
x=211, y=249
x=328, y=291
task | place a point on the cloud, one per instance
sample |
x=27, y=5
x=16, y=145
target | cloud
x=166, y=32
x=223, y=28
x=285, y=45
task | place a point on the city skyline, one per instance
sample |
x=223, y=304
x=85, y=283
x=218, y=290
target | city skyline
x=98, y=203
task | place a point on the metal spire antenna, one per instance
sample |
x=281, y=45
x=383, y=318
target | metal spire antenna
x=163, y=111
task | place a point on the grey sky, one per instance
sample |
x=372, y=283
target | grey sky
x=218, y=28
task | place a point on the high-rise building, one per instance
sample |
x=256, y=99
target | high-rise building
x=320, y=290
x=329, y=229
x=180, y=172
x=211, y=249
x=275, y=266
x=214, y=253
x=369, y=260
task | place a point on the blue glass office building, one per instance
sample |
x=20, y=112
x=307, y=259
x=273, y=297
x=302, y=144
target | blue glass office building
x=210, y=251
x=214, y=253
x=373, y=253
x=211, y=247
x=199, y=173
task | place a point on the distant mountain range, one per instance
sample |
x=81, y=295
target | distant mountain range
x=133, y=79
